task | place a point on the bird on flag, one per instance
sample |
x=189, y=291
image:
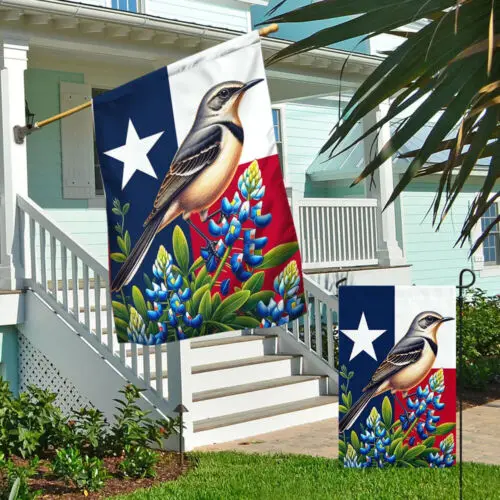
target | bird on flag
x=200, y=171
x=406, y=365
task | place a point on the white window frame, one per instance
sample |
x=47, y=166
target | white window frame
x=284, y=154
x=485, y=270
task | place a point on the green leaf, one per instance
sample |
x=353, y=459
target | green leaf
x=342, y=409
x=140, y=303
x=387, y=412
x=231, y=304
x=221, y=327
x=414, y=452
x=205, y=308
x=244, y=322
x=181, y=249
x=342, y=446
x=399, y=450
x=255, y=298
x=429, y=442
x=443, y=429
x=216, y=300
x=120, y=311
x=147, y=281
x=255, y=283
x=118, y=257
x=355, y=441
x=196, y=298
x=279, y=255
x=122, y=244
x=394, y=445
x=125, y=208
x=196, y=265
x=345, y=399
x=127, y=241
x=200, y=278
x=116, y=211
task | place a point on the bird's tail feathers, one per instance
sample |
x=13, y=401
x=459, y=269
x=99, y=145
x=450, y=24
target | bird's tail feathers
x=348, y=420
x=134, y=260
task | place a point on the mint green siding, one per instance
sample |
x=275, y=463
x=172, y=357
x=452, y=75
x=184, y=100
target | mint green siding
x=434, y=257
x=8, y=356
x=218, y=14
x=44, y=147
x=305, y=130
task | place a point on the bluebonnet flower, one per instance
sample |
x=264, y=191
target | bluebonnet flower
x=411, y=442
x=172, y=318
x=177, y=305
x=163, y=264
x=211, y=261
x=287, y=282
x=218, y=229
x=159, y=292
x=421, y=431
x=224, y=287
x=136, y=331
x=156, y=313
x=233, y=232
x=376, y=442
x=193, y=322
x=238, y=267
x=180, y=334
x=173, y=282
x=231, y=207
x=259, y=219
x=250, y=183
x=436, y=382
x=445, y=458
x=351, y=458
x=275, y=310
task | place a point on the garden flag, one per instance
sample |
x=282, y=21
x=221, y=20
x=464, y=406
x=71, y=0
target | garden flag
x=398, y=389
x=201, y=237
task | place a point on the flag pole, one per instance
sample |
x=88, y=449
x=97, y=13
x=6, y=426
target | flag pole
x=21, y=132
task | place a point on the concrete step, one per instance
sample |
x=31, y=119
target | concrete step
x=247, y=397
x=267, y=419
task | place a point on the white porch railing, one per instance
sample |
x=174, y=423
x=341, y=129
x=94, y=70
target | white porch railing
x=336, y=232
x=76, y=285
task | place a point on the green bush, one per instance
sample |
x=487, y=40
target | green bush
x=139, y=463
x=481, y=339
x=86, y=473
x=88, y=431
x=14, y=479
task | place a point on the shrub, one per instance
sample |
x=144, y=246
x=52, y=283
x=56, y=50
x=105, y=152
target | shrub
x=139, y=463
x=88, y=431
x=87, y=473
x=481, y=339
x=14, y=479
x=30, y=423
x=133, y=427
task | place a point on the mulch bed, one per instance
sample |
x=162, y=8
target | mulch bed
x=475, y=398
x=167, y=469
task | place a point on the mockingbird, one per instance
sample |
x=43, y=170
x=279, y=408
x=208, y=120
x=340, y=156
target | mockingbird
x=406, y=365
x=200, y=172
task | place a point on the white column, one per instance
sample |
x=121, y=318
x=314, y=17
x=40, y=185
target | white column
x=389, y=252
x=13, y=159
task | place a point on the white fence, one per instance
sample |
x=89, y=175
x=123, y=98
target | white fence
x=335, y=233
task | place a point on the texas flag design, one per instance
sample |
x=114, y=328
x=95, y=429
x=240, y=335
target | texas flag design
x=397, y=354
x=201, y=237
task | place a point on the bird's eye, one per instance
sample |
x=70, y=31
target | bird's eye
x=224, y=93
x=430, y=319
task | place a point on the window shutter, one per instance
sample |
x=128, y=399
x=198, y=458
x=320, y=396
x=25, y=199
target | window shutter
x=77, y=143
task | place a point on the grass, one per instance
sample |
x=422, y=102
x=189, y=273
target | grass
x=231, y=475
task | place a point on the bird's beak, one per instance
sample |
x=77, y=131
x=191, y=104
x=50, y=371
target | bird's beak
x=448, y=318
x=249, y=85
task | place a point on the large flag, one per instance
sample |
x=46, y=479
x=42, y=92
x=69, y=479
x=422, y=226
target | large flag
x=201, y=237
x=397, y=373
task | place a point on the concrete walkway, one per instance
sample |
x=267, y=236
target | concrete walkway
x=481, y=438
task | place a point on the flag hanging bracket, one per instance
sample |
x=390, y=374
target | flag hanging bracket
x=21, y=132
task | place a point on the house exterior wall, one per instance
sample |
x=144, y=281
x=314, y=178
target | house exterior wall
x=8, y=356
x=435, y=259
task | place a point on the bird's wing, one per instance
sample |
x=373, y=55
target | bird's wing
x=406, y=352
x=200, y=149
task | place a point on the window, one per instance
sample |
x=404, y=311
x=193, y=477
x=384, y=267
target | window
x=491, y=245
x=128, y=5
x=99, y=187
x=278, y=134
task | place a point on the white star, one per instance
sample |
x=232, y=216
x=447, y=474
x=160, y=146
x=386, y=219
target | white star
x=134, y=154
x=363, y=338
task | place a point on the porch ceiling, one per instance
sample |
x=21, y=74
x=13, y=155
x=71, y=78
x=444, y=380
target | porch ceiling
x=123, y=36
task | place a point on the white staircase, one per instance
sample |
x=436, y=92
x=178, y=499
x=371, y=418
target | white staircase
x=235, y=385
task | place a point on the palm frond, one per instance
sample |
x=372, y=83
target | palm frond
x=445, y=77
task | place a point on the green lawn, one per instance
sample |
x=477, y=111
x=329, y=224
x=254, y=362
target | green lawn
x=241, y=476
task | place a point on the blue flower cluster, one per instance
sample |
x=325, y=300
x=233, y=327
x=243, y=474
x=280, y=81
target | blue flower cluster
x=426, y=402
x=445, y=458
x=376, y=442
x=351, y=458
x=290, y=307
x=170, y=293
x=229, y=229
x=136, y=331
